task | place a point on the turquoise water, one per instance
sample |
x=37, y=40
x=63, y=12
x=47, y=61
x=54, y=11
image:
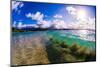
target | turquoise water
x=79, y=38
x=82, y=37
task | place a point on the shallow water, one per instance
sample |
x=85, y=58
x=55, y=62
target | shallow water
x=81, y=37
x=30, y=47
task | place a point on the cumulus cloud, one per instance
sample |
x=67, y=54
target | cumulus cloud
x=59, y=24
x=71, y=10
x=14, y=24
x=58, y=16
x=87, y=24
x=45, y=24
x=16, y=5
x=37, y=16
x=21, y=25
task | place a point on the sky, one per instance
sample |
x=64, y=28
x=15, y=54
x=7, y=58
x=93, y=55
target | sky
x=47, y=15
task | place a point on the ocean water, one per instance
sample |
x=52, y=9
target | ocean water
x=82, y=37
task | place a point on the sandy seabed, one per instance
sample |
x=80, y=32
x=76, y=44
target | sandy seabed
x=29, y=51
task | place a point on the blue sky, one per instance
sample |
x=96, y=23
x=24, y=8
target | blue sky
x=59, y=15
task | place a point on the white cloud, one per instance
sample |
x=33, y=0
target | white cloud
x=45, y=24
x=37, y=16
x=30, y=25
x=29, y=15
x=16, y=5
x=14, y=24
x=21, y=25
x=83, y=21
x=59, y=24
x=58, y=16
x=71, y=10
x=78, y=14
x=87, y=24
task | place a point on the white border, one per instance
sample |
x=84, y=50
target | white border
x=85, y=2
